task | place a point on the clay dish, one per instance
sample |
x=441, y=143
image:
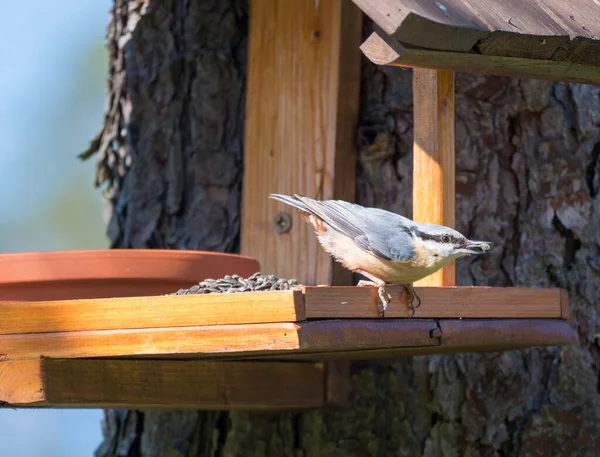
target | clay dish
x=66, y=275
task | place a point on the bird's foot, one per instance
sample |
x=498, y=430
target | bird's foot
x=384, y=297
x=412, y=296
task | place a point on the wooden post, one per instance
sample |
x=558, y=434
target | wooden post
x=301, y=113
x=433, y=173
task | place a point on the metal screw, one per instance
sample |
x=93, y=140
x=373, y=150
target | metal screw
x=282, y=222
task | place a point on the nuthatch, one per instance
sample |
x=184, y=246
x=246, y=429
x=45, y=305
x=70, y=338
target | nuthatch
x=382, y=246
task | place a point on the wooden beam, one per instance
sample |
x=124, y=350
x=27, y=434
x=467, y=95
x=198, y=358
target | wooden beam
x=337, y=383
x=490, y=335
x=301, y=114
x=152, y=312
x=20, y=382
x=433, y=157
x=383, y=50
x=181, y=384
x=220, y=340
x=459, y=336
x=437, y=303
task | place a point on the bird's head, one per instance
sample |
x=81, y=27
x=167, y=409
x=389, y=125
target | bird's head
x=445, y=243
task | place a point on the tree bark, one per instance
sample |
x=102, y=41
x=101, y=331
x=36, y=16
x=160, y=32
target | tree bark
x=528, y=175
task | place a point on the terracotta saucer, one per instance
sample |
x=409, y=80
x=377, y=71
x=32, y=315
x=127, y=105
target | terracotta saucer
x=66, y=275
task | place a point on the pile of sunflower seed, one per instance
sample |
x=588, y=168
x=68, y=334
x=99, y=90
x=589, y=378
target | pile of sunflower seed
x=233, y=283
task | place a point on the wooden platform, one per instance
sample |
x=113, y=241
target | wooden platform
x=313, y=302
x=238, y=350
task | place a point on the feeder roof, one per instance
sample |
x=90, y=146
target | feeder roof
x=556, y=32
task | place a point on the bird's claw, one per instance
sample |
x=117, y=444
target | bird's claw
x=412, y=295
x=384, y=297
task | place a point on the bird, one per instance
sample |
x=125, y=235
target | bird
x=384, y=247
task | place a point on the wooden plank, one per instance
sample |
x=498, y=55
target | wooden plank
x=20, y=382
x=360, y=340
x=183, y=384
x=152, y=312
x=337, y=392
x=425, y=24
x=534, y=28
x=382, y=50
x=579, y=51
x=214, y=339
x=353, y=335
x=527, y=47
x=219, y=340
x=578, y=18
x=433, y=157
x=459, y=336
x=304, y=74
x=485, y=335
x=436, y=302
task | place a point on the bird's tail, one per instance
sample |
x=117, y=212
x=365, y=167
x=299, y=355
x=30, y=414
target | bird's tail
x=292, y=201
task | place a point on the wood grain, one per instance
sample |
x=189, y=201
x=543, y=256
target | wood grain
x=434, y=162
x=424, y=24
x=486, y=335
x=301, y=112
x=437, y=302
x=337, y=391
x=455, y=336
x=241, y=311
x=151, y=312
x=208, y=340
x=20, y=381
x=382, y=50
x=220, y=340
x=263, y=385
x=182, y=384
x=535, y=29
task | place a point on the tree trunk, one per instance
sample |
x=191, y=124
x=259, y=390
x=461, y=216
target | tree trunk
x=528, y=175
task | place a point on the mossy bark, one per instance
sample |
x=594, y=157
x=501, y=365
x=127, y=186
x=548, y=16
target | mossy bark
x=528, y=175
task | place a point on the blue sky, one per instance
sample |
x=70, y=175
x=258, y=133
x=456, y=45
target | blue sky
x=51, y=100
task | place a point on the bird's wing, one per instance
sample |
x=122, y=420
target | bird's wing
x=365, y=243
x=337, y=214
x=377, y=231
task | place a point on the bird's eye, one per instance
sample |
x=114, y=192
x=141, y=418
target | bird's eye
x=445, y=239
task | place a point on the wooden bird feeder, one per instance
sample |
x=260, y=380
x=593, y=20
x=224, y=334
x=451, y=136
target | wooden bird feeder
x=289, y=349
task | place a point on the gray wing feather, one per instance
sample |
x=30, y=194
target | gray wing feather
x=335, y=214
x=363, y=242
x=380, y=232
x=289, y=201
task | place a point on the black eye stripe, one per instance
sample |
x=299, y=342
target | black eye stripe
x=441, y=238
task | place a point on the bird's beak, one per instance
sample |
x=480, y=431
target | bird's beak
x=476, y=247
